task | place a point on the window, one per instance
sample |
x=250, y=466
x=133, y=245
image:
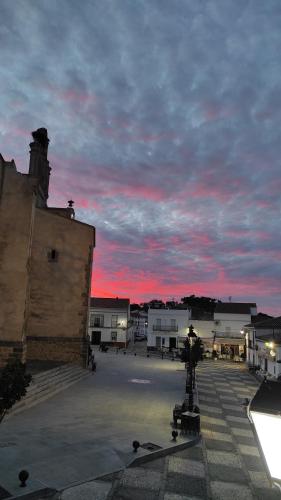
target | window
x=158, y=322
x=114, y=319
x=53, y=255
x=173, y=323
x=113, y=336
x=227, y=329
x=97, y=320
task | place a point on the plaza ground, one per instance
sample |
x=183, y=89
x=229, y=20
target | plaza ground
x=87, y=430
x=131, y=397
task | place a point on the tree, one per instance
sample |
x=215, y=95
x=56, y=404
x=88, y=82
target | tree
x=13, y=383
x=206, y=304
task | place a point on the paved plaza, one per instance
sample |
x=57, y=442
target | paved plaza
x=224, y=465
x=87, y=431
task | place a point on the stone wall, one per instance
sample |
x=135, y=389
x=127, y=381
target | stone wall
x=64, y=350
x=60, y=276
x=17, y=203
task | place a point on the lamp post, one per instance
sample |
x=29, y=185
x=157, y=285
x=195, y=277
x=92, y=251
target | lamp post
x=265, y=416
x=190, y=378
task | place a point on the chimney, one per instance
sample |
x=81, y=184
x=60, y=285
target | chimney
x=39, y=164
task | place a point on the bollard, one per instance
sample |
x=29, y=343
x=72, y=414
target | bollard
x=23, y=476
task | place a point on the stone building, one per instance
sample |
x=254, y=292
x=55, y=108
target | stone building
x=45, y=266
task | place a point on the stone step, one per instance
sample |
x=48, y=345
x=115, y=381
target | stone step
x=52, y=379
x=53, y=384
x=38, y=393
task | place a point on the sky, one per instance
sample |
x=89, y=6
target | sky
x=164, y=121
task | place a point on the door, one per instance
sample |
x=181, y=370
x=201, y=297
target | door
x=172, y=343
x=96, y=336
x=158, y=342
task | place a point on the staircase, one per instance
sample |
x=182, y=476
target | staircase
x=46, y=384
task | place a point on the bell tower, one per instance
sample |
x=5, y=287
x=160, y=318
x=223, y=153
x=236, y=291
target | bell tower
x=39, y=164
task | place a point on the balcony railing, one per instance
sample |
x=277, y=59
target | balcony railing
x=165, y=328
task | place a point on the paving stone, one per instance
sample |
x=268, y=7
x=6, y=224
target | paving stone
x=219, y=472
x=157, y=464
x=93, y=490
x=219, y=436
x=194, y=453
x=139, y=477
x=224, y=458
x=248, y=441
x=267, y=493
x=233, y=491
x=260, y=479
x=249, y=450
x=214, y=444
x=236, y=408
x=254, y=463
x=210, y=409
x=213, y=420
x=226, y=391
x=174, y=496
x=222, y=384
x=127, y=493
x=215, y=399
x=240, y=420
x=227, y=398
x=242, y=432
x=186, y=466
x=205, y=390
x=186, y=485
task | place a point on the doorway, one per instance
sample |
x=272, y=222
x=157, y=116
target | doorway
x=172, y=342
x=96, y=338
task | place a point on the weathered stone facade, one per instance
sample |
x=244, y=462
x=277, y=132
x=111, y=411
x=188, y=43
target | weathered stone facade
x=45, y=263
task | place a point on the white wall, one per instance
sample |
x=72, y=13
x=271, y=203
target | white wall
x=123, y=330
x=230, y=324
x=181, y=318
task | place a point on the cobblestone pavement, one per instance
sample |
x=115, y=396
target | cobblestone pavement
x=225, y=465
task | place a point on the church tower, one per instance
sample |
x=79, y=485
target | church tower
x=39, y=164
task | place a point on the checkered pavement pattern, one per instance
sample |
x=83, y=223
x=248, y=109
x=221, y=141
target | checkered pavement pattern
x=225, y=465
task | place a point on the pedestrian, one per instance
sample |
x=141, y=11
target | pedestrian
x=93, y=363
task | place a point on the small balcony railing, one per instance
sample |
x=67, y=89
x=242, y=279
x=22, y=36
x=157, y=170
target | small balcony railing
x=165, y=328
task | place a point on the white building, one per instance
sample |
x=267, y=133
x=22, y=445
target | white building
x=229, y=321
x=263, y=346
x=167, y=328
x=109, y=321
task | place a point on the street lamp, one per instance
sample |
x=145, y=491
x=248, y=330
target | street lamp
x=190, y=379
x=265, y=415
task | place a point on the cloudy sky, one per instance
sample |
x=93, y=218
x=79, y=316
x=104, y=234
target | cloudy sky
x=165, y=125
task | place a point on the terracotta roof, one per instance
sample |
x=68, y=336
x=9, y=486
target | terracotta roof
x=109, y=303
x=234, y=307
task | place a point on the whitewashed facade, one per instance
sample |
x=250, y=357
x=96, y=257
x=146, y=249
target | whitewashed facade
x=230, y=319
x=167, y=328
x=109, y=321
x=263, y=346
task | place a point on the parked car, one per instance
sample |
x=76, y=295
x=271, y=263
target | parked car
x=140, y=338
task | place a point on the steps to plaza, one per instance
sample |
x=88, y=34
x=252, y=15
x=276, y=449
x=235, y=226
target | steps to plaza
x=46, y=384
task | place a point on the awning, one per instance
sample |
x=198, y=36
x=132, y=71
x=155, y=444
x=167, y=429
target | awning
x=229, y=341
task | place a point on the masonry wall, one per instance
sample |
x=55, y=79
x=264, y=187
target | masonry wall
x=17, y=205
x=60, y=288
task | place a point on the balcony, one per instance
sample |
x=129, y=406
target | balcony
x=165, y=328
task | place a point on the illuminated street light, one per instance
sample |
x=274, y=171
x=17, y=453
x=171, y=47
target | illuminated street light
x=265, y=415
